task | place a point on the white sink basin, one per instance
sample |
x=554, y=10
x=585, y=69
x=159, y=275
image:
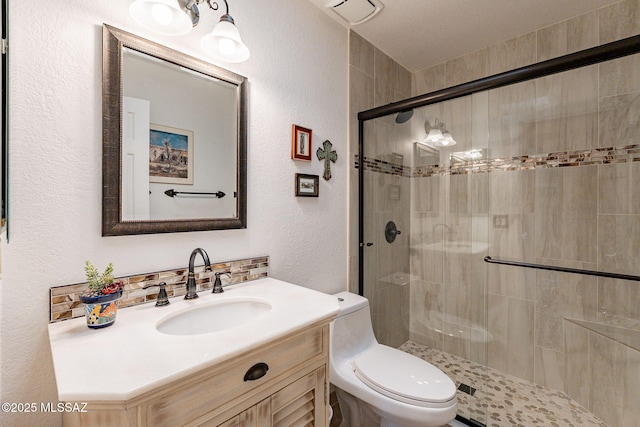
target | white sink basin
x=213, y=317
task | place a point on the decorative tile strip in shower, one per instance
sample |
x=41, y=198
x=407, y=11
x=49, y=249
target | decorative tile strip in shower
x=501, y=400
x=388, y=167
x=65, y=303
x=594, y=156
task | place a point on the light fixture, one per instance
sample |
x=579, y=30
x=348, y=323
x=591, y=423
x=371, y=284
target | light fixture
x=438, y=135
x=474, y=155
x=224, y=42
x=178, y=17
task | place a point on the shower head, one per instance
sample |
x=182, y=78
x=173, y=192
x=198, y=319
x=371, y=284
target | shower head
x=403, y=116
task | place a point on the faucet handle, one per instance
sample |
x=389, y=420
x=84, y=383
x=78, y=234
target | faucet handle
x=162, y=294
x=217, y=284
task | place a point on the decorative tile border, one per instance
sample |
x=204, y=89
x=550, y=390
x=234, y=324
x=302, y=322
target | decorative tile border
x=594, y=156
x=65, y=303
x=382, y=166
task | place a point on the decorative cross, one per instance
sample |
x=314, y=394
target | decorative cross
x=328, y=156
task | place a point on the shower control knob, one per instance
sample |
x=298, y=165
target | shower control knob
x=390, y=232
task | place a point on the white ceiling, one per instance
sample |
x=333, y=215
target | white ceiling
x=421, y=33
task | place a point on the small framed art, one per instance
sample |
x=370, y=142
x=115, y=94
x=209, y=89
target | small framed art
x=300, y=143
x=306, y=185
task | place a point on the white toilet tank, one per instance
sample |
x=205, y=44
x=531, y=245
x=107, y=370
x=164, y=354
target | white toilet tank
x=351, y=331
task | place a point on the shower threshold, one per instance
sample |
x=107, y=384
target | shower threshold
x=496, y=399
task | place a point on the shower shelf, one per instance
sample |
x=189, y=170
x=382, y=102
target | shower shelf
x=624, y=336
x=562, y=269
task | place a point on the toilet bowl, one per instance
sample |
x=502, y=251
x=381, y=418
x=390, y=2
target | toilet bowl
x=380, y=385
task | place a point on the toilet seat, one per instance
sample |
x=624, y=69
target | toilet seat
x=404, y=377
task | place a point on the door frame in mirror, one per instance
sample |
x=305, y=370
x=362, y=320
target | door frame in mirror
x=113, y=41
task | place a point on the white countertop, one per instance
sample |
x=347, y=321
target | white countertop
x=131, y=357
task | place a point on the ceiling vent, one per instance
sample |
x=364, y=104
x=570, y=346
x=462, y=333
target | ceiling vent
x=356, y=11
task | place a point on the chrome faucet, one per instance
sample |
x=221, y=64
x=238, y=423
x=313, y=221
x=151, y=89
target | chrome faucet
x=191, y=279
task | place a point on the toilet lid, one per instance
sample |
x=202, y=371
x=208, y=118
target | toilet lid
x=403, y=377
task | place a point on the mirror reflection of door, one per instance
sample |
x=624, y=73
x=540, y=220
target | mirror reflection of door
x=181, y=102
x=135, y=159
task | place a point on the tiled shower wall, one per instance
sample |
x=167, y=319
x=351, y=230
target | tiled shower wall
x=581, y=215
x=375, y=80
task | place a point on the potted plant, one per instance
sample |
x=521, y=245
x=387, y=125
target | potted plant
x=102, y=296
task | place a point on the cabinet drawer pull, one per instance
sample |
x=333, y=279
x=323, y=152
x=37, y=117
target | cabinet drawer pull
x=256, y=372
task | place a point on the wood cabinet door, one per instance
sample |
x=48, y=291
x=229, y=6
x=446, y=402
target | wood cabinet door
x=300, y=404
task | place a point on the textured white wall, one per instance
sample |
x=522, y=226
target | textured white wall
x=297, y=74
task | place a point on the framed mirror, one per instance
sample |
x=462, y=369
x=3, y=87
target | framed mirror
x=174, y=140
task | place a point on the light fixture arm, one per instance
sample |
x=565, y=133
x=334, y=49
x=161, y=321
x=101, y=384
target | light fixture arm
x=226, y=17
x=437, y=124
x=214, y=5
x=191, y=7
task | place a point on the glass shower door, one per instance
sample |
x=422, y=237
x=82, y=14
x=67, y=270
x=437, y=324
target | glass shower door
x=543, y=172
x=426, y=281
x=386, y=222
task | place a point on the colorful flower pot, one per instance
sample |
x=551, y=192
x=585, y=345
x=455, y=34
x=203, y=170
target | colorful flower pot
x=100, y=310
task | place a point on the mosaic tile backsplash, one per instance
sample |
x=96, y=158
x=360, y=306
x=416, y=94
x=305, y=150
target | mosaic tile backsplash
x=65, y=303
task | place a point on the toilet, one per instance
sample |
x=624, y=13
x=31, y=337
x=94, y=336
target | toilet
x=377, y=385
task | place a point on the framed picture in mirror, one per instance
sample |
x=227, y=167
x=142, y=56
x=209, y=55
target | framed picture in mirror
x=301, y=143
x=170, y=155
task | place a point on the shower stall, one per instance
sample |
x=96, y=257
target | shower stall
x=537, y=168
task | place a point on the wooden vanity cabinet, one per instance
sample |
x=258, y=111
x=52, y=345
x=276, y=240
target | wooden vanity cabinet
x=293, y=392
x=301, y=403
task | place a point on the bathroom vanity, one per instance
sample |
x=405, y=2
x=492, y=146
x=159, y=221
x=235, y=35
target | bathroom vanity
x=261, y=367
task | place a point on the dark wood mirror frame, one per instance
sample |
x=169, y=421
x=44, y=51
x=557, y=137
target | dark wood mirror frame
x=112, y=224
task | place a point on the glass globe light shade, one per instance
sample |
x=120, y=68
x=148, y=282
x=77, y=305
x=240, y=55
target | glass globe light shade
x=434, y=135
x=161, y=16
x=224, y=43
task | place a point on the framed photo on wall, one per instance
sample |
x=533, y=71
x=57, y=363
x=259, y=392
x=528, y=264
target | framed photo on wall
x=306, y=185
x=170, y=155
x=301, y=143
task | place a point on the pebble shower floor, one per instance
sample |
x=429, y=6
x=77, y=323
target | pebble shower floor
x=501, y=400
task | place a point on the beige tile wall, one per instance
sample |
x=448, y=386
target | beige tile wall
x=604, y=373
x=582, y=217
x=375, y=80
